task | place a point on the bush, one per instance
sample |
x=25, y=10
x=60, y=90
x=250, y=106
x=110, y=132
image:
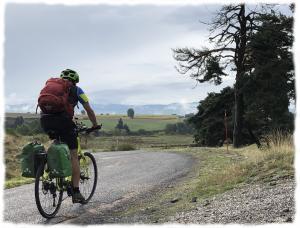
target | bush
x=121, y=128
x=142, y=132
x=35, y=127
x=170, y=128
x=30, y=128
x=11, y=131
x=179, y=128
x=122, y=147
x=23, y=130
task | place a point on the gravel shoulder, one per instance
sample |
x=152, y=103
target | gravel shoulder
x=262, y=203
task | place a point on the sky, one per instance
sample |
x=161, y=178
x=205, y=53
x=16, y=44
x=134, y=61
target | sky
x=123, y=53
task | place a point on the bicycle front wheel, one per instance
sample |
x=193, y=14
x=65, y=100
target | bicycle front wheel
x=88, y=176
x=48, y=193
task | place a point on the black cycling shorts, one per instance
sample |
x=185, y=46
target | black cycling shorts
x=63, y=126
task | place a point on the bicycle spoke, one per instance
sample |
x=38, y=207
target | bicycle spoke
x=47, y=194
x=88, y=176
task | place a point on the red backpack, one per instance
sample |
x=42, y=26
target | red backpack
x=54, y=97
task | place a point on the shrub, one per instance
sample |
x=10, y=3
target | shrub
x=170, y=128
x=122, y=147
x=142, y=132
x=179, y=128
x=23, y=130
x=10, y=131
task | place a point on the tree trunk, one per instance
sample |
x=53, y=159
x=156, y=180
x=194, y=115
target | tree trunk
x=238, y=117
x=254, y=138
x=241, y=41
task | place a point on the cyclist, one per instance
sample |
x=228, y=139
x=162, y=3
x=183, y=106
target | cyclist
x=62, y=124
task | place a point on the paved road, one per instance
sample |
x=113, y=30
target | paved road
x=122, y=175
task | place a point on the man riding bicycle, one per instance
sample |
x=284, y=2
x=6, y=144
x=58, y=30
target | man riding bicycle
x=57, y=116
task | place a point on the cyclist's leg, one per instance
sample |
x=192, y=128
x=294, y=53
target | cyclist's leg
x=75, y=168
x=70, y=137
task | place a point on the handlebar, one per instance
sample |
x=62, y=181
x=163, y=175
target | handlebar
x=82, y=128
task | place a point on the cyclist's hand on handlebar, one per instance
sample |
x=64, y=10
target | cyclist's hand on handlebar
x=96, y=127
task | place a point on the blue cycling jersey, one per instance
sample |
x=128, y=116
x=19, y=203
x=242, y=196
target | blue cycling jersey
x=82, y=98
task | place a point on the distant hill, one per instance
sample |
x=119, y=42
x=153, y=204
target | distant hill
x=156, y=109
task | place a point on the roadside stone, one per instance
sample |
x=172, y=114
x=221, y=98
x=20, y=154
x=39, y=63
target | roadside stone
x=289, y=219
x=206, y=203
x=175, y=200
x=150, y=209
x=286, y=210
x=194, y=199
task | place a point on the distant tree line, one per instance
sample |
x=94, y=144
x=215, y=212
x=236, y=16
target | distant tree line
x=19, y=126
x=180, y=128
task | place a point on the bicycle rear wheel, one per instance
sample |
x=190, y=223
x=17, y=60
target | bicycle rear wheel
x=88, y=176
x=48, y=193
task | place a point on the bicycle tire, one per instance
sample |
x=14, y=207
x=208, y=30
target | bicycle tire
x=41, y=183
x=88, y=181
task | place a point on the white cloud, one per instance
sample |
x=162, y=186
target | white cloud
x=116, y=49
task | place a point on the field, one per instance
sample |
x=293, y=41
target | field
x=148, y=123
x=145, y=122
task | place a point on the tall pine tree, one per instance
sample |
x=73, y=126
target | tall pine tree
x=269, y=84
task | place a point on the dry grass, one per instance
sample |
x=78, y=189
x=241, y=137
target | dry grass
x=273, y=161
x=123, y=147
x=249, y=165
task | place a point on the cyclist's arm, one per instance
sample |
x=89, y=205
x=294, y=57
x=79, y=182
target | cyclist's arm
x=83, y=99
x=91, y=114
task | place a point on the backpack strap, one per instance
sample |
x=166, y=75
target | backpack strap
x=37, y=106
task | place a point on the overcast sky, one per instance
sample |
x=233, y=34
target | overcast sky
x=122, y=53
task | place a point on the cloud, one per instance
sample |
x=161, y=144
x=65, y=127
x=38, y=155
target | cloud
x=155, y=93
x=115, y=49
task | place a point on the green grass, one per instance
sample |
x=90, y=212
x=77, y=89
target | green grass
x=148, y=123
x=17, y=181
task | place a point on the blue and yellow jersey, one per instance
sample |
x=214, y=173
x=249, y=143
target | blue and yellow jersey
x=82, y=98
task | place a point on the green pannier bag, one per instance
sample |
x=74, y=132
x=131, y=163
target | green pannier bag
x=59, y=160
x=28, y=160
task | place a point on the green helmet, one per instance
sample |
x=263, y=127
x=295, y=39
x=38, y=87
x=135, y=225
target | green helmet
x=70, y=75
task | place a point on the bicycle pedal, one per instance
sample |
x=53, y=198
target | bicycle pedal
x=70, y=191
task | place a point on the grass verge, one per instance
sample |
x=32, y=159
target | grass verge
x=217, y=170
x=17, y=181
